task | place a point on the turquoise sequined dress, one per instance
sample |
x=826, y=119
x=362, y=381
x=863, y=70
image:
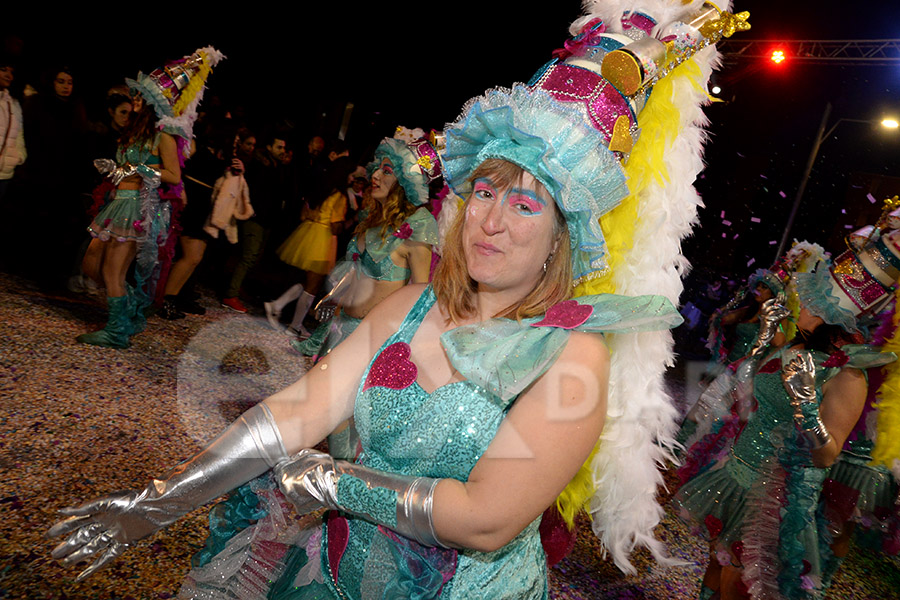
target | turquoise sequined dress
x=744, y=336
x=760, y=503
x=259, y=549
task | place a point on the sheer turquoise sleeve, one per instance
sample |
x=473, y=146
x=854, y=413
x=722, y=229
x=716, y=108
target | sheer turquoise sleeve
x=506, y=356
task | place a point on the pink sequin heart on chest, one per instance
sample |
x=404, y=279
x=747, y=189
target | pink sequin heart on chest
x=392, y=369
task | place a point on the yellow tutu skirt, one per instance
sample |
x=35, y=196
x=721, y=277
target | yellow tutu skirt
x=311, y=247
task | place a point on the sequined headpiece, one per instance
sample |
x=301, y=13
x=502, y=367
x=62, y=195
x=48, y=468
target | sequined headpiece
x=770, y=279
x=860, y=281
x=415, y=162
x=574, y=124
x=175, y=90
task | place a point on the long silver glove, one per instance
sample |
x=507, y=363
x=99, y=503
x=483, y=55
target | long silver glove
x=799, y=378
x=152, y=178
x=771, y=313
x=311, y=480
x=115, y=173
x=107, y=526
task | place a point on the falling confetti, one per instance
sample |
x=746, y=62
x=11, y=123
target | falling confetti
x=871, y=198
x=782, y=194
x=756, y=219
x=773, y=242
x=751, y=261
x=722, y=215
x=726, y=222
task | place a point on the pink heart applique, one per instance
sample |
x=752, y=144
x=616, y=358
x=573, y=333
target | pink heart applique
x=566, y=315
x=392, y=369
x=773, y=366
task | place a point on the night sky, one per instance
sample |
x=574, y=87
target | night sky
x=416, y=64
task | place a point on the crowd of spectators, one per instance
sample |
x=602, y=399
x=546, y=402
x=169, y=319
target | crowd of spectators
x=50, y=190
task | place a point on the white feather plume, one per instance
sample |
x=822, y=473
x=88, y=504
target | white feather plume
x=641, y=423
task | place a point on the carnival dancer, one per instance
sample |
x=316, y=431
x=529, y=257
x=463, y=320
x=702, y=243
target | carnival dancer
x=391, y=247
x=136, y=221
x=493, y=385
x=758, y=498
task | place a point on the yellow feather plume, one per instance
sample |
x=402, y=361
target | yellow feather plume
x=660, y=122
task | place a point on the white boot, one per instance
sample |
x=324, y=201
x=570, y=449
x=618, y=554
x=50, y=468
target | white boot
x=274, y=308
x=303, y=304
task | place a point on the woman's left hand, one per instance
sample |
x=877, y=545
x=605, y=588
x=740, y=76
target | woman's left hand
x=308, y=480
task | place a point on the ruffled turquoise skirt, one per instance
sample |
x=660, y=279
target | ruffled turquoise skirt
x=765, y=520
x=122, y=219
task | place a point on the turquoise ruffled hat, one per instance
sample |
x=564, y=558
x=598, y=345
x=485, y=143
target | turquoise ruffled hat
x=552, y=142
x=415, y=165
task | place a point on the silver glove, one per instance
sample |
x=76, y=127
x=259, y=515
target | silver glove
x=771, y=314
x=107, y=526
x=799, y=378
x=324, y=310
x=151, y=176
x=105, y=165
x=311, y=480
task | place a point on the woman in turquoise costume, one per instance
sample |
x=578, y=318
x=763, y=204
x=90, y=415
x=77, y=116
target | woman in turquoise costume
x=758, y=496
x=130, y=227
x=392, y=246
x=742, y=315
x=478, y=398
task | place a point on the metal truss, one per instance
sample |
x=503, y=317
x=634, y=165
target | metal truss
x=845, y=52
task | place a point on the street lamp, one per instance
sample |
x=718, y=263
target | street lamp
x=888, y=123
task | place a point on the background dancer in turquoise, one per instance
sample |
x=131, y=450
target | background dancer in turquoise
x=132, y=225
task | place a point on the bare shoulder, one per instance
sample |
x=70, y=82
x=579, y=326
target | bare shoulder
x=587, y=349
x=848, y=380
x=166, y=140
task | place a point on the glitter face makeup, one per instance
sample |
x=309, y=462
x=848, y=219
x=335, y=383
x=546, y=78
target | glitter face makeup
x=508, y=234
x=383, y=180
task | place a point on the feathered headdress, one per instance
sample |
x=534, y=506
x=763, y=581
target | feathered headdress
x=611, y=126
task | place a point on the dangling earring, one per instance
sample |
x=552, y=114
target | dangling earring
x=547, y=262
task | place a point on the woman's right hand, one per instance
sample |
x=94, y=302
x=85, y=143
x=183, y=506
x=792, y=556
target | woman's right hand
x=237, y=166
x=106, y=527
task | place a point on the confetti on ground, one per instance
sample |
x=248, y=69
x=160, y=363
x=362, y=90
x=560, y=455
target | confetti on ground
x=81, y=421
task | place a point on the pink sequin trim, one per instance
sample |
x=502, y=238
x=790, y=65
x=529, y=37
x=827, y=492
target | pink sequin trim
x=392, y=369
x=404, y=232
x=566, y=315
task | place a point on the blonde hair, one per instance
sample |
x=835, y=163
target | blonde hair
x=455, y=289
x=388, y=214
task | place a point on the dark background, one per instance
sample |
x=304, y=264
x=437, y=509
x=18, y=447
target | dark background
x=298, y=65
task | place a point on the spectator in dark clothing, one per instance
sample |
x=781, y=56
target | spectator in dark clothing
x=265, y=176
x=56, y=173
